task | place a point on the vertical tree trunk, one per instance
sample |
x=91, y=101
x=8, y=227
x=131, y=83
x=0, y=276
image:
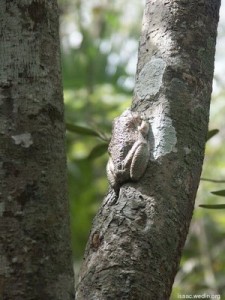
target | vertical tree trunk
x=136, y=241
x=35, y=260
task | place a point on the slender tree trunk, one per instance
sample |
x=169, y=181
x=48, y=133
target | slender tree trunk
x=35, y=256
x=136, y=241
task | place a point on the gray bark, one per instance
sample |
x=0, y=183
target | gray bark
x=35, y=255
x=136, y=240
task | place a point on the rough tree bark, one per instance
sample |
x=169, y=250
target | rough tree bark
x=136, y=241
x=35, y=255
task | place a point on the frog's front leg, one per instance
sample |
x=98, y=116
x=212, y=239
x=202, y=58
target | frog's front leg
x=110, y=171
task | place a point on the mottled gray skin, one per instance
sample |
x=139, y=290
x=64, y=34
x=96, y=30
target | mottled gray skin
x=129, y=149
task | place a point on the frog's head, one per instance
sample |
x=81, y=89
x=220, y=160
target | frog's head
x=136, y=117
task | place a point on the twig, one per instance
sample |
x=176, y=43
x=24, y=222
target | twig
x=213, y=180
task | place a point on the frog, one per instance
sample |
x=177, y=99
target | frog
x=129, y=149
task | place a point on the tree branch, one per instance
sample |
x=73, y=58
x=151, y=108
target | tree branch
x=140, y=233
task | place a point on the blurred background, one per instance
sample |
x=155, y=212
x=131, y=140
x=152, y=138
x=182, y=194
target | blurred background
x=99, y=43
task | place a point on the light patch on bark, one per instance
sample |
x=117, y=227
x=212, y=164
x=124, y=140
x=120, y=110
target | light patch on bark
x=163, y=131
x=187, y=150
x=24, y=139
x=149, y=82
x=150, y=78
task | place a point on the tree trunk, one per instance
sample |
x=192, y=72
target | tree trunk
x=35, y=251
x=136, y=241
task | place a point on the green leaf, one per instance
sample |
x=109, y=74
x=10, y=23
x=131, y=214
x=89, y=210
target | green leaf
x=98, y=150
x=219, y=193
x=213, y=206
x=211, y=133
x=81, y=130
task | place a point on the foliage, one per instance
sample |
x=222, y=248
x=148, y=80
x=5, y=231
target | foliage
x=99, y=50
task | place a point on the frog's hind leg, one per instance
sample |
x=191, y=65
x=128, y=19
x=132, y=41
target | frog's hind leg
x=139, y=162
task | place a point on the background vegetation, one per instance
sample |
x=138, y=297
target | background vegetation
x=99, y=42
